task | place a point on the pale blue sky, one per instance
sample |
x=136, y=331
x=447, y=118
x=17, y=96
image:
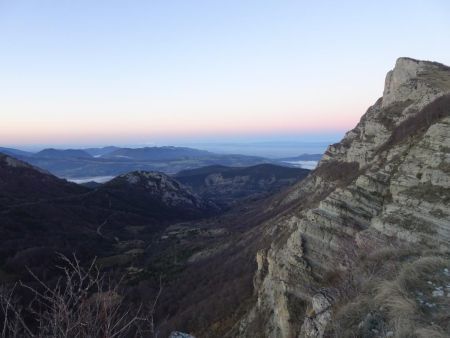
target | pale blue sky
x=135, y=72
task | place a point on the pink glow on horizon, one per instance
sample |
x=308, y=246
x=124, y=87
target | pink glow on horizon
x=76, y=131
x=43, y=123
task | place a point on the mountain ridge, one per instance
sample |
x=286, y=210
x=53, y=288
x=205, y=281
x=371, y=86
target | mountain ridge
x=50, y=153
x=228, y=186
x=363, y=195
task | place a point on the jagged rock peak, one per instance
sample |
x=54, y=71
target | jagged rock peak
x=412, y=79
x=409, y=87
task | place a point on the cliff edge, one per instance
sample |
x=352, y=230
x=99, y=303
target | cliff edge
x=379, y=198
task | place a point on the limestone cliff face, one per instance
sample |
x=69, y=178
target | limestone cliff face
x=389, y=178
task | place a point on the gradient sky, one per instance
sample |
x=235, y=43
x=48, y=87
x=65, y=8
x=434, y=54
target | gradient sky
x=122, y=72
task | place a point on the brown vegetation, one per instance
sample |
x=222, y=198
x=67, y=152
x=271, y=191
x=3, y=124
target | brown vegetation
x=393, y=292
x=341, y=173
x=419, y=123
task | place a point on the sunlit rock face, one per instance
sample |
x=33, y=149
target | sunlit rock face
x=389, y=178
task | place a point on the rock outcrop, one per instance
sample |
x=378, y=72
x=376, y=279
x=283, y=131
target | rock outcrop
x=388, y=179
x=160, y=194
x=317, y=318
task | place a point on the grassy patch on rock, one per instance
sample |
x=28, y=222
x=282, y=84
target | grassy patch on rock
x=396, y=292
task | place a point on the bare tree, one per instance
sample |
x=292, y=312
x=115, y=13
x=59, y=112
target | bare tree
x=82, y=303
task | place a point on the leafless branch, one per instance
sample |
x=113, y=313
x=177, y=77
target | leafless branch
x=82, y=303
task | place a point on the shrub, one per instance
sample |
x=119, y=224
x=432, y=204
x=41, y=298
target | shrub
x=82, y=303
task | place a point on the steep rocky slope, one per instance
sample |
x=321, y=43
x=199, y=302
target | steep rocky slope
x=386, y=184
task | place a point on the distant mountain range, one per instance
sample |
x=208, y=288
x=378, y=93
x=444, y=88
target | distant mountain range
x=96, y=152
x=62, y=154
x=15, y=152
x=111, y=161
x=157, y=154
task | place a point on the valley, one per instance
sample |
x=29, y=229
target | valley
x=144, y=226
x=359, y=245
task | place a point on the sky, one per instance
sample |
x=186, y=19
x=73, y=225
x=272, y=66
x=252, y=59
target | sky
x=87, y=72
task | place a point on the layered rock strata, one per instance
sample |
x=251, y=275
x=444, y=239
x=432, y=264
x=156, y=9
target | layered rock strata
x=388, y=179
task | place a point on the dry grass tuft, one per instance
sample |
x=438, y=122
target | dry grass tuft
x=395, y=293
x=431, y=333
x=396, y=300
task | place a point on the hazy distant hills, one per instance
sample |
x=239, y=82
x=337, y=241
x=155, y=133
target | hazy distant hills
x=157, y=154
x=95, y=152
x=15, y=152
x=62, y=154
x=112, y=161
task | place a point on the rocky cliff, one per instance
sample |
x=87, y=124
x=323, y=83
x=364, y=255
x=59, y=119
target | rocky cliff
x=384, y=186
